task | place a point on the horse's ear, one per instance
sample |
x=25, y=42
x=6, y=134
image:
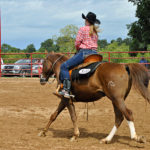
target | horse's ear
x=46, y=51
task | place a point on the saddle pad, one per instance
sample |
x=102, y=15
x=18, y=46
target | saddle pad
x=84, y=72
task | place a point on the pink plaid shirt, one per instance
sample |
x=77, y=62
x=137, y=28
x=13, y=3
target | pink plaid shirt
x=84, y=40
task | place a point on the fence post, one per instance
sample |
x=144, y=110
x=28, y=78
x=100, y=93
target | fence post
x=31, y=64
x=0, y=45
x=108, y=56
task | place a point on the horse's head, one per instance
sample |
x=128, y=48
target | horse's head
x=51, y=65
x=47, y=71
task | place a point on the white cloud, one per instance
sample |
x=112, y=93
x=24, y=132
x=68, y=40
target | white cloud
x=38, y=20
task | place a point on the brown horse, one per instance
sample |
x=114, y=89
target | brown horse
x=111, y=80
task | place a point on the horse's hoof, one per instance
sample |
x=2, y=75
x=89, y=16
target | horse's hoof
x=141, y=139
x=104, y=141
x=42, y=134
x=73, y=139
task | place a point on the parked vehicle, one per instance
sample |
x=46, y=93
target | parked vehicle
x=37, y=68
x=21, y=67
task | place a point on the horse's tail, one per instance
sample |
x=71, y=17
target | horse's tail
x=140, y=79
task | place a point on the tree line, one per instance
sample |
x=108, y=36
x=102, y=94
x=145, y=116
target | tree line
x=63, y=44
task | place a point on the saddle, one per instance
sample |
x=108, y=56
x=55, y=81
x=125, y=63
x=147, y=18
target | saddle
x=87, y=68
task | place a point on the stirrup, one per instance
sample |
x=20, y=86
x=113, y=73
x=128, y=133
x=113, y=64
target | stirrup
x=65, y=94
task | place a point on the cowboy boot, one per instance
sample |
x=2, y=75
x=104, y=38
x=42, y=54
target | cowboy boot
x=66, y=88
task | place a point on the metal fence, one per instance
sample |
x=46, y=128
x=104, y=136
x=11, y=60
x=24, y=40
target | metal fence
x=30, y=64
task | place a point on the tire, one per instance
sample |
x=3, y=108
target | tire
x=23, y=73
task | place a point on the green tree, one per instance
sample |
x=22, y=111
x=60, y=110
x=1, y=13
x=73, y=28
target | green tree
x=102, y=43
x=11, y=58
x=140, y=30
x=9, y=49
x=127, y=41
x=30, y=49
x=119, y=40
x=6, y=48
x=134, y=46
x=65, y=44
x=67, y=38
x=112, y=41
x=49, y=46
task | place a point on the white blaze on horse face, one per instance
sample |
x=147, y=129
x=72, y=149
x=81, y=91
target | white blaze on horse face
x=111, y=134
x=41, y=75
x=132, y=129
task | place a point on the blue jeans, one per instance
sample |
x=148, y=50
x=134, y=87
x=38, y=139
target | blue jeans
x=74, y=61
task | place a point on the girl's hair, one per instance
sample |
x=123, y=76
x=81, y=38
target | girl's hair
x=94, y=30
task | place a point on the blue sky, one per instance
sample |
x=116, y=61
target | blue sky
x=27, y=22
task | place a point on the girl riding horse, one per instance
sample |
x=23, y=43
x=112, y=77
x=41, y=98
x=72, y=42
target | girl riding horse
x=86, y=44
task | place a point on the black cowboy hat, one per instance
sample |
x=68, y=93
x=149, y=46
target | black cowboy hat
x=91, y=17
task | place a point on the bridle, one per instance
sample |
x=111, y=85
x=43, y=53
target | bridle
x=52, y=69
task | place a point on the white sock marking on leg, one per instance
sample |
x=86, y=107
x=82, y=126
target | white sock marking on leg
x=111, y=134
x=132, y=129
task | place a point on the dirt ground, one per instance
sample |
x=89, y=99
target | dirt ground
x=25, y=107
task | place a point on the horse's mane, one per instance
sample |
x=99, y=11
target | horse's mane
x=52, y=56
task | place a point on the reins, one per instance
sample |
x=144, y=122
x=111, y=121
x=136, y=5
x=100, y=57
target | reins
x=52, y=69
